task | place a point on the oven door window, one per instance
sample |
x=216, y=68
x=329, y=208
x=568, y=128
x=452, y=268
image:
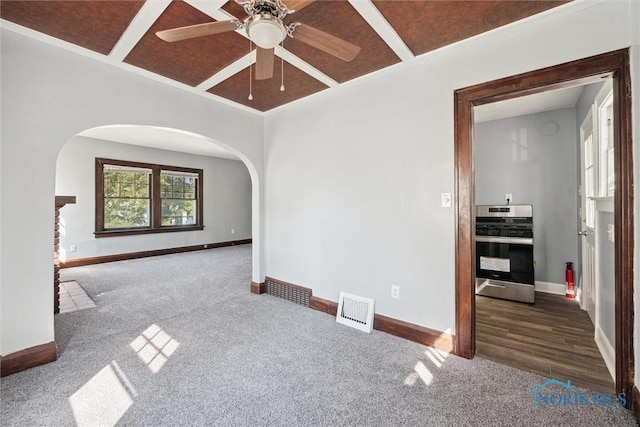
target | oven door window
x=505, y=261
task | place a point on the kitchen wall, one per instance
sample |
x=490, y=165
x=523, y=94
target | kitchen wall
x=518, y=155
x=227, y=199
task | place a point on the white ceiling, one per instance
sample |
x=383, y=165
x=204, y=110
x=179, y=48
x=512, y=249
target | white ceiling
x=530, y=104
x=160, y=138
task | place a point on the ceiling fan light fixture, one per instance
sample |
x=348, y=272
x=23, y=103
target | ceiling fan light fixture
x=266, y=33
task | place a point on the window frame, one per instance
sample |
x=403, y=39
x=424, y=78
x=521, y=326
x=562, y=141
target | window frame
x=155, y=199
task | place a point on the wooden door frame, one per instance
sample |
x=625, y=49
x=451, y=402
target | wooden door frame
x=608, y=65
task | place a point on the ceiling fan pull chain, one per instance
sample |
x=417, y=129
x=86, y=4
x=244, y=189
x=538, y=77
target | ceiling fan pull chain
x=250, y=97
x=282, y=68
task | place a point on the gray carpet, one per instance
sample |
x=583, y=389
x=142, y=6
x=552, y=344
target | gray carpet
x=222, y=356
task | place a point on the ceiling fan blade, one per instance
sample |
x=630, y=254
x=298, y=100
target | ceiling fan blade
x=326, y=42
x=264, y=63
x=198, y=30
x=296, y=5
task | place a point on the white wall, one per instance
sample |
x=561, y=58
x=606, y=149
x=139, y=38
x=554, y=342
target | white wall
x=226, y=199
x=514, y=156
x=48, y=96
x=354, y=177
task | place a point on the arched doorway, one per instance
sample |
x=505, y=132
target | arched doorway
x=168, y=146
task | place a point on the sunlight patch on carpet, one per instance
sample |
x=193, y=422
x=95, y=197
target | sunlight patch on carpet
x=103, y=399
x=420, y=370
x=154, y=347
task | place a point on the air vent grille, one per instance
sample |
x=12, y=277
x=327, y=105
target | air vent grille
x=288, y=291
x=355, y=311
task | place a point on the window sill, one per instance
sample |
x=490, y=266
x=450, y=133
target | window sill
x=603, y=204
x=134, y=231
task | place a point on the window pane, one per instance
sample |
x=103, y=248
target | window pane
x=126, y=212
x=610, y=173
x=178, y=212
x=126, y=199
x=588, y=151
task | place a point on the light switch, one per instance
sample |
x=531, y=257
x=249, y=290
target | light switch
x=446, y=200
x=610, y=232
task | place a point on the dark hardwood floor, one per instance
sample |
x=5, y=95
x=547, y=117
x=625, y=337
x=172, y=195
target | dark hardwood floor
x=553, y=338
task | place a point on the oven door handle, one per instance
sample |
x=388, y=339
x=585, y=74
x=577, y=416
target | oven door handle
x=507, y=240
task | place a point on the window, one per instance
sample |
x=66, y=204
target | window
x=605, y=126
x=590, y=179
x=137, y=198
x=178, y=198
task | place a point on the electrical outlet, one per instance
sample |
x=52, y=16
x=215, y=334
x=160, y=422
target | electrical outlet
x=508, y=198
x=395, y=291
x=233, y=230
x=73, y=248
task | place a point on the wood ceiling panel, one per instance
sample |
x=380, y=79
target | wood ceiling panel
x=266, y=93
x=340, y=19
x=95, y=25
x=188, y=61
x=235, y=9
x=429, y=25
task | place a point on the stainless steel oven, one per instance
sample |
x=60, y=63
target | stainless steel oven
x=504, y=252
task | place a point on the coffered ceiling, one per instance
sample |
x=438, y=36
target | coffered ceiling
x=387, y=31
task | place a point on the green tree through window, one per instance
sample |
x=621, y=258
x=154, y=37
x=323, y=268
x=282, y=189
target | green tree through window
x=134, y=198
x=178, y=193
x=126, y=199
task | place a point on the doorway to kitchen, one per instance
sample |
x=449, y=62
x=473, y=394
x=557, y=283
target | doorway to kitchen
x=533, y=168
x=613, y=65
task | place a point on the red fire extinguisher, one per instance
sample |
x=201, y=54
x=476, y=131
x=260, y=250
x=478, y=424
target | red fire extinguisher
x=571, y=291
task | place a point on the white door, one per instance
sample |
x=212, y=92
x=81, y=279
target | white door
x=587, y=217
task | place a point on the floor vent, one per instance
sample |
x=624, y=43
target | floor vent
x=355, y=311
x=288, y=291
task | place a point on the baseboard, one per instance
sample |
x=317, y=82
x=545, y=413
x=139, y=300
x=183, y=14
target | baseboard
x=606, y=350
x=257, y=288
x=399, y=328
x=551, y=288
x=412, y=332
x=635, y=399
x=144, y=254
x=324, y=305
x=28, y=358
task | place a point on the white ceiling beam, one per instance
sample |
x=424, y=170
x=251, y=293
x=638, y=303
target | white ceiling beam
x=250, y=58
x=229, y=71
x=305, y=67
x=372, y=15
x=144, y=19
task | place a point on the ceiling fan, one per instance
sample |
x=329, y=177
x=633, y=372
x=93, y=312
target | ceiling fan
x=265, y=28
